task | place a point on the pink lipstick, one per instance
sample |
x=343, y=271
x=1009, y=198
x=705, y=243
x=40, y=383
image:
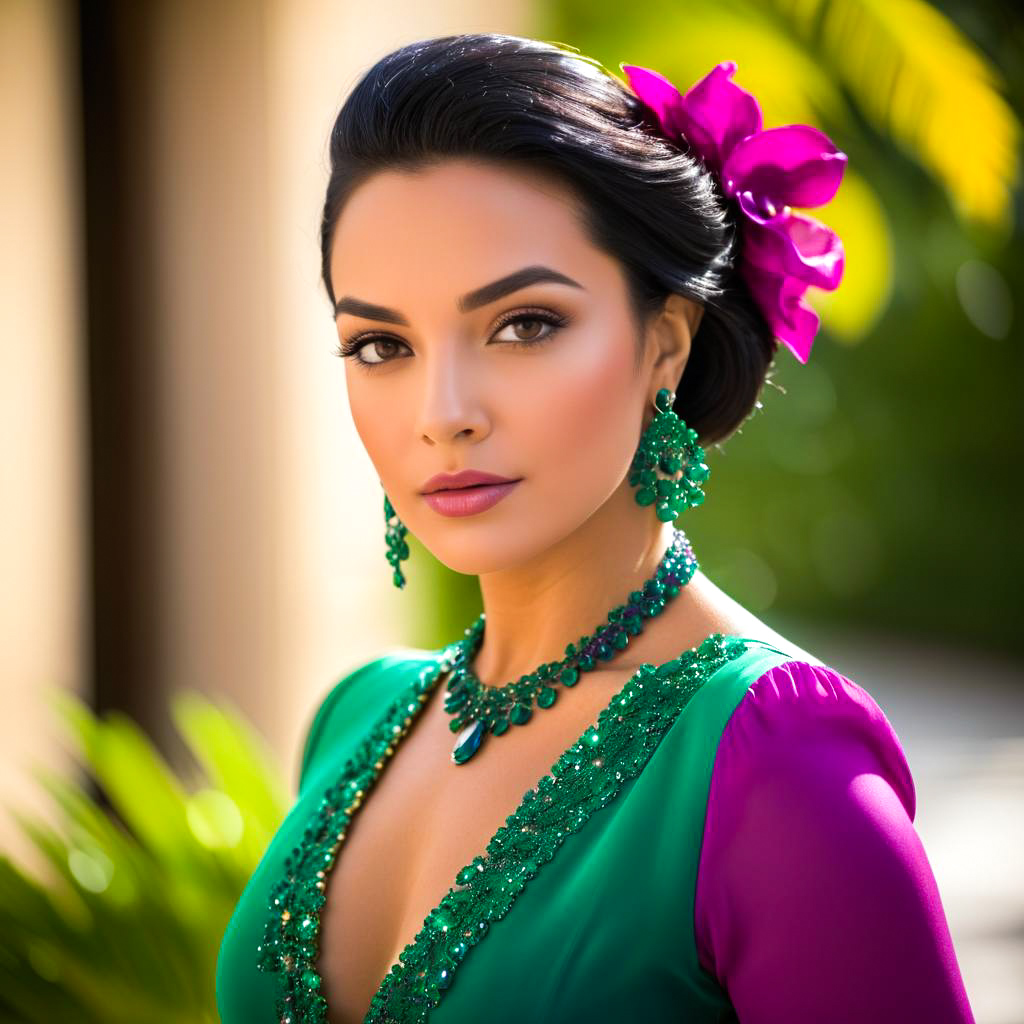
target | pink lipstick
x=466, y=493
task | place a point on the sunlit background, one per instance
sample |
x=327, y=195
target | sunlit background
x=193, y=545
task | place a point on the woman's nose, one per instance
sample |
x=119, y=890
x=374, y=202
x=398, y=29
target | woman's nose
x=450, y=405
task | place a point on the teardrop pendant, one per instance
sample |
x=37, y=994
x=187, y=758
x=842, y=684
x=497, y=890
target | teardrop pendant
x=467, y=743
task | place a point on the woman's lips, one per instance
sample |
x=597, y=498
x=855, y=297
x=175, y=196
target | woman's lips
x=468, y=501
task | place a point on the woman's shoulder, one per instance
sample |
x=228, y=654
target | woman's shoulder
x=802, y=693
x=795, y=704
x=776, y=703
x=362, y=690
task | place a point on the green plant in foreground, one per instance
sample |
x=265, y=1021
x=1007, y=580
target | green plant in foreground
x=128, y=926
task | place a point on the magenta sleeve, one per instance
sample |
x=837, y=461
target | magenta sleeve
x=815, y=899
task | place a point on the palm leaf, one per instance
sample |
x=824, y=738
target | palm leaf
x=126, y=923
x=923, y=83
x=227, y=749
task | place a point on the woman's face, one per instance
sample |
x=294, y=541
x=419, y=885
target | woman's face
x=537, y=383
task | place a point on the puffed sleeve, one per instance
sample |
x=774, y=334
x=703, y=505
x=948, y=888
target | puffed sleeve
x=815, y=899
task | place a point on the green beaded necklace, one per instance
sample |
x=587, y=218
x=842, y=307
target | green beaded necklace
x=479, y=709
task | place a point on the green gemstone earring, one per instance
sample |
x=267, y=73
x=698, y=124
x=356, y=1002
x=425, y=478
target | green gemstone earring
x=670, y=445
x=398, y=549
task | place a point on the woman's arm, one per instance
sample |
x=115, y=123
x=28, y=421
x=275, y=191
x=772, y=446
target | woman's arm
x=815, y=898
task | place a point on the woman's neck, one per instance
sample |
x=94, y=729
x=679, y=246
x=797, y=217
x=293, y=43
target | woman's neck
x=534, y=609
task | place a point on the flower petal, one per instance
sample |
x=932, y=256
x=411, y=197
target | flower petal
x=794, y=165
x=661, y=96
x=712, y=117
x=792, y=244
x=720, y=114
x=779, y=299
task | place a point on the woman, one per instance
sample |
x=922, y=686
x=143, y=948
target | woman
x=551, y=289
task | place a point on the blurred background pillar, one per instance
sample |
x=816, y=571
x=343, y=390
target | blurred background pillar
x=43, y=603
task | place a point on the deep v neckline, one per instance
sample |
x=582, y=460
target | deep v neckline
x=626, y=732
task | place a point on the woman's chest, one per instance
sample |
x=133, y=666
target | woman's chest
x=425, y=819
x=592, y=857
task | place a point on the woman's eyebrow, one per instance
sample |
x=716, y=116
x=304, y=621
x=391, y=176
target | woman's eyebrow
x=467, y=303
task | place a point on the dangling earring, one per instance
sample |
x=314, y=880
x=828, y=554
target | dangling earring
x=669, y=445
x=398, y=549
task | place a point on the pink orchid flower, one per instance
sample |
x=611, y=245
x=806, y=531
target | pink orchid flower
x=765, y=172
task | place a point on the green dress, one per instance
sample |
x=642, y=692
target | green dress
x=572, y=913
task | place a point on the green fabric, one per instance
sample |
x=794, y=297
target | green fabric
x=603, y=932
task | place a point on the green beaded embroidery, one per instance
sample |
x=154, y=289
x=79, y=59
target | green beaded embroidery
x=587, y=777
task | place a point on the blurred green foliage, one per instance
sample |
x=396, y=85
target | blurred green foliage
x=128, y=924
x=875, y=485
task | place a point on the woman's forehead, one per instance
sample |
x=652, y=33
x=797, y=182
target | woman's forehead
x=459, y=196
x=454, y=225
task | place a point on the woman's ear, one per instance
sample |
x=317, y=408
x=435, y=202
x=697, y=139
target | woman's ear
x=673, y=331
x=696, y=313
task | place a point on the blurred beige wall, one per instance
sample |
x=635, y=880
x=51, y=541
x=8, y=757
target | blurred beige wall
x=43, y=609
x=267, y=539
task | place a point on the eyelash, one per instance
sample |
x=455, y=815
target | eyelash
x=351, y=346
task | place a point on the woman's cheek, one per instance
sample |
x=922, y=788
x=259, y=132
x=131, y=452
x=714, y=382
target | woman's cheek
x=574, y=420
x=378, y=433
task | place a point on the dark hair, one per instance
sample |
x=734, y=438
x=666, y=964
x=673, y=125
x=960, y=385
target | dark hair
x=644, y=200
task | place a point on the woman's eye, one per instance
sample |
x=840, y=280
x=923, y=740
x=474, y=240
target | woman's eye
x=371, y=351
x=366, y=350
x=531, y=328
